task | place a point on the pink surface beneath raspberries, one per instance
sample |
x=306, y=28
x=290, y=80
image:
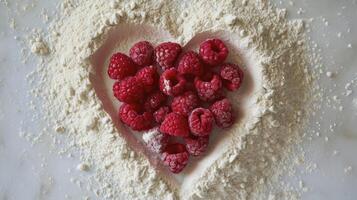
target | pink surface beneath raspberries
x=181, y=95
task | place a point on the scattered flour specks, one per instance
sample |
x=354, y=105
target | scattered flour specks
x=38, y=46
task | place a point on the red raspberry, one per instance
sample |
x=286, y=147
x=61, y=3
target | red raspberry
x=208, y=88
x=213, y=51
x=132, y=116
x=175, y=157
x=184, y=103
x=201, y=121
x=142, y=53
x=190, y=86
x=232, y=76
x=196, y=145
x=149, y=77
x=121, y=66
x=129, y=90
x=154, y=101
x=161, y=113
x=190, y=64
x=223, y=113
x=166, y=54
x=172, y=83
x=155, y=140
x=175, y=124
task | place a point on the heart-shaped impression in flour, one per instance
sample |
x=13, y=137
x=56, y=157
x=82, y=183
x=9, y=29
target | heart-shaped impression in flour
x=121, y=41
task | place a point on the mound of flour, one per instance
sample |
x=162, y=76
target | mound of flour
x=243, y=165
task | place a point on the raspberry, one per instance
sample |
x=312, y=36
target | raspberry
x=161, y=113
x=208, y=88
x=232, y=76
x=149, y=77
x=155, y=140
x=223, y=113
x=184, y=103
x=132, y=116
x=190, y=64
x=190, y=86
x=213, y=51
x=172, y=83
x=175, y=157
x=142, y=53
x=166, y=54
x=196, y=145
x=201, y=121
x=121, y=66
x=154, y=101
x=129, y=90
x=175, y=124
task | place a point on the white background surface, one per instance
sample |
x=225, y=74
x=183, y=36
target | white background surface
x=38, y=172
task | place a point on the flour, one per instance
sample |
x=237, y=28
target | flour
x=246, y=162
x=167, y=86
x=39, y=47
x=149, y=136
x=82, y=167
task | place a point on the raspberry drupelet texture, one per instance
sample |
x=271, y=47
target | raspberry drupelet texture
x=196, y=146
x=208, y=88
x=223, y=113
x=160, y=114
x=172, y=83
x=129, y=90
x=232, y=76
x=184, y=103
x=133, y=116
x=149, y=77
x=155, y=140
x=213, y=52
x=167, y=53
x=121, y=66
x=175, y=124
x=190, y=64
x=175, y=157
x=201, y=122
x=154, y=101
x=142, y=53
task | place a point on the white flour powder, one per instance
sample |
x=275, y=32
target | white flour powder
x=243, y=161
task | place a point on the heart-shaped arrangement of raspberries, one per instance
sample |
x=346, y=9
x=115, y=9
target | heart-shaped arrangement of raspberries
x=175, y=98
